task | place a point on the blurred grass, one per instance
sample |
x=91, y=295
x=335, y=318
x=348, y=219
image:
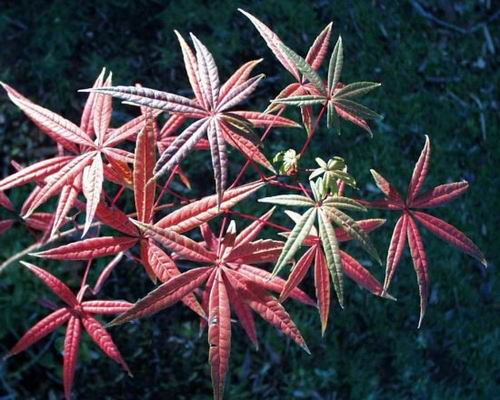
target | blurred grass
x=436, y=81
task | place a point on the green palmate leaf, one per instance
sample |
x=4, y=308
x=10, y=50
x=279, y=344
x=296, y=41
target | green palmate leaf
x=302, y=65
x=294, y=241
x=330, y=115
x=343, y=203
x=353, y=229
x=335, y=66
x=356, y=89
x=288, y=160
x=317, y=189
x=332, y=253
x=344, y=176
x=321, y=162
x=306, y=100
x=356, y=108
x=288, y=200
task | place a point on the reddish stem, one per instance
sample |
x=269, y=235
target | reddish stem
x=309, y=138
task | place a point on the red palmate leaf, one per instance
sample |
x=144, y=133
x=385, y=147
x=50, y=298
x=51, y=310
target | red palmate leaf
x=407, y=227
x=93, y=177
x=54, y=284
x=449, y=234
x=420, y=171
x=41, y=329
x=440, y=195
x=322, y=285
x=164, y=268
x=89, y=248
x=145, y=156
x=71, y=349
x=219, y=334
x=208, y=108
x=76, y=314
x=35, y=172
x=396, y=247
x=165, y=295
x=420, y=264
x=193, y=215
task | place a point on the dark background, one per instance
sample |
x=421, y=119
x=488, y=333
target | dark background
x=438, y=62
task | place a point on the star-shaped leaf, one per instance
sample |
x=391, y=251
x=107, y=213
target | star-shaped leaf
x=406, y=227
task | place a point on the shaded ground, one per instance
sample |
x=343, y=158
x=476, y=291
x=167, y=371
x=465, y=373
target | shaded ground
x=439, y=69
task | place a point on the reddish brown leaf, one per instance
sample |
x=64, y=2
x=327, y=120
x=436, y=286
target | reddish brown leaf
x=252, y=231
x=420, y=264
x=93, y=177
x=67, y=200
x=194, y=214
x=396, y=247
x=267, y=307
x=387, y=188
x=245, y=146
x=176, y=242
x=54, y=284
x=239, y=76
x=322, y=285
x=440, y=195
x=274, y=43
x=359, y=274
x=41, y=329
x=165, y=295
x=449, y=234
x=89, y=248
x=71, y=347
x=35, y=173
x=317, y=52
x=420, y=171
x=103, y=339
x=243, y=312
x=59, y=179
x=105, y=307
x=164, y=268
x=145, y=159
x=298, y=273
x=58, y=128
x=86, y=121
x=219, y=334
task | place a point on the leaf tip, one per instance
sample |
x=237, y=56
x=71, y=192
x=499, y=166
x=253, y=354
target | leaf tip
x=305, y=348
x=387, y=296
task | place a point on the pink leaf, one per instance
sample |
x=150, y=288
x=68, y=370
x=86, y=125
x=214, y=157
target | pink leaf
x=93, y=177
x=71, y=347
x=420, y=264
x=165, y=295
x=396, y=247
x=440, y=195
x=54, y=284
x=449, y=234
x=41, y=329
x=145, y=158
x=420, y=171
x=103, y=339
x=89, y=248
x=219, y=335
